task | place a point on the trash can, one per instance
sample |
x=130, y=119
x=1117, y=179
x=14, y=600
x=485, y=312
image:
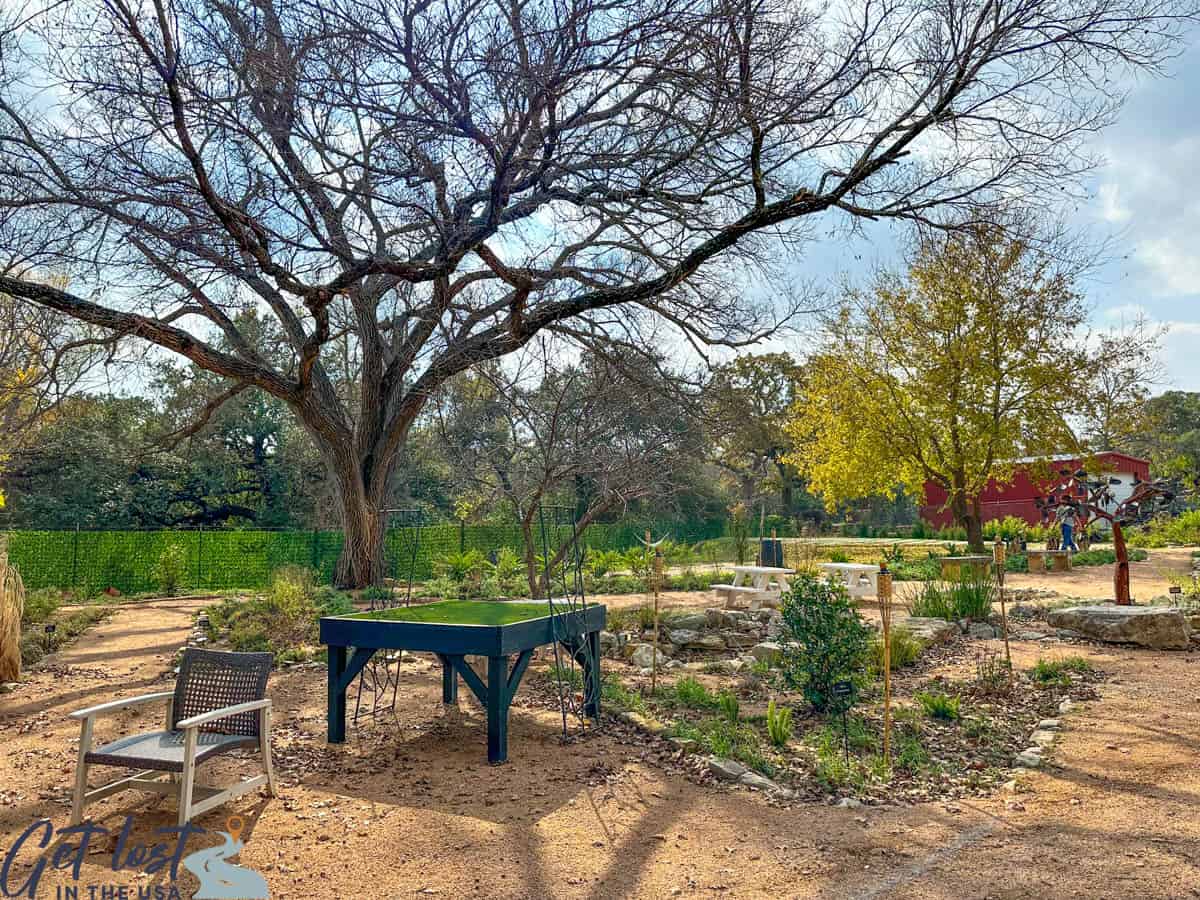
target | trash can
x=771, y=552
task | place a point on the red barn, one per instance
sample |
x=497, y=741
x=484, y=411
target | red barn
x=1015, y=498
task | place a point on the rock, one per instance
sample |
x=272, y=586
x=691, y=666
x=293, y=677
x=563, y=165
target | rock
x=681, y=637
x=1011, y=786
x=1029, y=636
x=981, y=631
x=927, y=630
x=1049, y=725
x=707, y=641
x=609, y=644
x=1156, y=627
x=687, y=745
x=848, y=803
x=726, y=769
x=1029, y=758
x=696, y=621
x=1066, y=706
x=1043, y=738
x=8, y=687
x=769, y=652
x=715, y=618
x=644, y=656
x=758, y=782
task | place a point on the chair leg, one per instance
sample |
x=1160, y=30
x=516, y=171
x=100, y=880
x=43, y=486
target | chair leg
x=81, y=770
x=264, y=743
x=188, y=779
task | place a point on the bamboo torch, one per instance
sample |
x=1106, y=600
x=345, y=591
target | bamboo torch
x=657, y=578
x=1000, y=555
x=884, y=593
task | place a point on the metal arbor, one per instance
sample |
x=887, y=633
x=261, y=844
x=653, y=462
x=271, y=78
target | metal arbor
x=563, y=569
x=380, y=678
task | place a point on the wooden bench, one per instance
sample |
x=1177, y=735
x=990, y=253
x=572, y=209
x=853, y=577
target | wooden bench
x=978, y=565
x=1049, y=561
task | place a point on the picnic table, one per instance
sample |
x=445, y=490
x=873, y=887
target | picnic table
x=859, y=579
x=758, y=585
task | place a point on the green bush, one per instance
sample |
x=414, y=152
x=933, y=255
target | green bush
x=170, y=569
x=1105, y=556
x=40, y=605
x=33, y=648
x=968, y=598
x=931, y=600
x=779, y=723
x=332, y=602
x=906, y=650
x=1182, y=529
x=691, y=693
x=927, y=569
x=937, y=705
x=827, y=639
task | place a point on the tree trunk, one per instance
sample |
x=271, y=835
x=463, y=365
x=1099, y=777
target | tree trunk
x=1121, y=575
x=966, y=514
x=361, y=490
x=531, y=572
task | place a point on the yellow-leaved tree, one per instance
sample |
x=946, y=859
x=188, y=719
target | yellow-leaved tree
x=945, y=374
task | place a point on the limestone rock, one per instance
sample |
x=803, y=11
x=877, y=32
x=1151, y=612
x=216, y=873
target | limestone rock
x=981, y=631
x=1156, y=627
x=769, y=652
x=681, y=637
x=1043, y=738
x=609, y=645
x=644, y=655
x=928, y=630
x=726, y=769
x=1049, y=725
x=758, y=782
x=695, y=621
x=716, y=619
x=848, y=803
x=1028, y=759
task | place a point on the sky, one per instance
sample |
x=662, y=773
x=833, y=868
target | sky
x=1144, y=198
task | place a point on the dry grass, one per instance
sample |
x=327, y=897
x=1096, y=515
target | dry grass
x=12, y=604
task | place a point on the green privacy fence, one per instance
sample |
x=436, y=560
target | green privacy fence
x=91, y=561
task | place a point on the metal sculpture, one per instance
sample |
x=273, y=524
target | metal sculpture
x=1094, y=500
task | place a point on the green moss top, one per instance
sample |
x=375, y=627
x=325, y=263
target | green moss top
x=461, y=612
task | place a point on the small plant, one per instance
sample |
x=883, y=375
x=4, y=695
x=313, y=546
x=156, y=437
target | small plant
x=40, y=605
x=931, y=601
x=1059, y=671
x=993, y=676
x=728, y=704
x=170, y=568
x=828, y=641
x=906, y=650
x=691, y=693
x=779, y=723
x=937, y=705
x=376, y=595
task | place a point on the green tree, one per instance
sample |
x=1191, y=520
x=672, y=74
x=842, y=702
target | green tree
x=945, y=375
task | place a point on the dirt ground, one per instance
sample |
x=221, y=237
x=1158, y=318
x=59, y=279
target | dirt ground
x=412, y=808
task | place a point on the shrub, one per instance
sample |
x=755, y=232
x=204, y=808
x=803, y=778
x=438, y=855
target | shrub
x=40, y=606
x=839, y=556
x=971, y=598
x=779, y=723
x=1182, y=529
x=937, y=705
x=927, y=569
x=906, y=650
x=331, y=602
x=828, y=641
x=33, y=648
x=931, y=600
x=993, y=676
x=1103, y=556
x=460, y=567
x=170, y=568
x=728, y=705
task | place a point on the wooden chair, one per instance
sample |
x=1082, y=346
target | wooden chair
x=218, y=705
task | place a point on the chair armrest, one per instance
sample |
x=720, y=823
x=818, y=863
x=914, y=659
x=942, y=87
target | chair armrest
x=223, y=713
x=115, y=705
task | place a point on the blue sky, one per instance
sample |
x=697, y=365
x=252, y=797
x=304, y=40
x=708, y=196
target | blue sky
x=1145, y=198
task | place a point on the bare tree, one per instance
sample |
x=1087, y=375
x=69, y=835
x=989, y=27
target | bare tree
x=434, y=182
x=539, y=432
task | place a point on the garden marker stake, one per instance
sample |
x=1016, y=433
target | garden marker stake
x=999, y=553
x=884, y=593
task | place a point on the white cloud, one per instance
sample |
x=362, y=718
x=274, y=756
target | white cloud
x=1111, y=209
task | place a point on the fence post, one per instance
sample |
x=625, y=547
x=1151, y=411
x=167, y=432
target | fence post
x=313, y=549
x=462, y=535
x=200, y=560
x=75, y=558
